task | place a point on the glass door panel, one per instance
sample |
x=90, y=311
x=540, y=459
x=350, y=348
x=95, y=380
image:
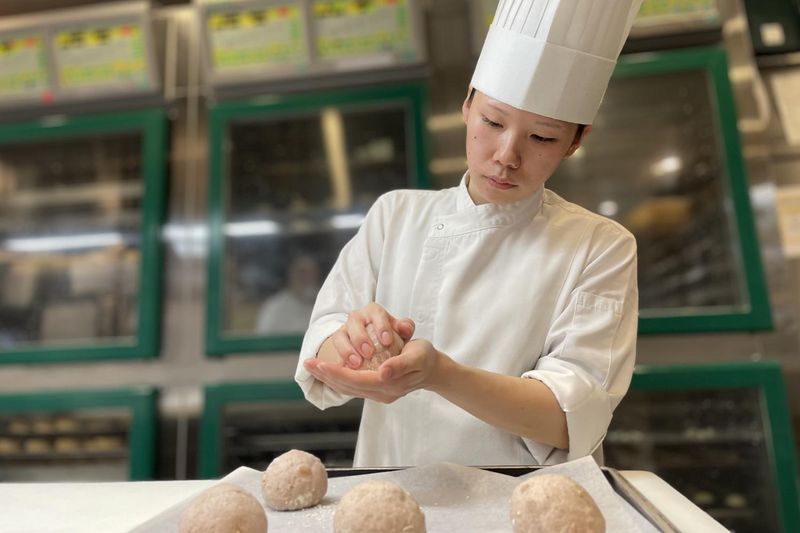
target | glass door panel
x=79, y=214
x=295, y=181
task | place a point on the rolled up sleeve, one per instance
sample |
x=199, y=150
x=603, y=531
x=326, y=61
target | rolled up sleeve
x=592, y=347
x=315, y=391
x=350, y=285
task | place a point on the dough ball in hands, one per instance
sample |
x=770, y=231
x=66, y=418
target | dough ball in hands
x=378, y=506
x=554, y=503
x=224, y=508
x=294, y=480
x=382, y=353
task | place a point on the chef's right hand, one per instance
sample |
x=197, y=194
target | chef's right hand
x=352, y=341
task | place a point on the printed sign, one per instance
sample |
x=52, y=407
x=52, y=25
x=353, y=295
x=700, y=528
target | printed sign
x=23, y=66
x=665, y=11
x=347, y=28
x=102, y=57
x=268, y=37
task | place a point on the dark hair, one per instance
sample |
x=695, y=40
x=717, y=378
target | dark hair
x=578, y=132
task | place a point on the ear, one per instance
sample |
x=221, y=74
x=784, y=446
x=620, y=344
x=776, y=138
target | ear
x=578, y=141
x=466, y=105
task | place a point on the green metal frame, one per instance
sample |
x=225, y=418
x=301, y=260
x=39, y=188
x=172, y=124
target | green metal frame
x=756, y=316
x=766, y=376
x=216, y=398
x=152, y=124
x=141, y=402
x=217, y=343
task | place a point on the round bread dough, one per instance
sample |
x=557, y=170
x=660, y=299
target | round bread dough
x=8, y=446
x=66, y=444
x=42, y=426
x=19, y=427
x=224, y=508
x=294, y=480
x=552, y=502
x=65, y=424
x=378, y=506
x=36, y=446
x=382, y=353
x=104, y=443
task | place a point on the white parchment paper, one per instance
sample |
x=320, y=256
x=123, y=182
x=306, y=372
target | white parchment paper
x=453, y=498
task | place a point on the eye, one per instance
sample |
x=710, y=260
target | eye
x=540, y=139
x=491, y=123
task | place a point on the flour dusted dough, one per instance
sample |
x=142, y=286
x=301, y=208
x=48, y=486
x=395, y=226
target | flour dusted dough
x=294, y=480
x=224, y=508
x=378, y=506
x=554, y=504
x=382, y=353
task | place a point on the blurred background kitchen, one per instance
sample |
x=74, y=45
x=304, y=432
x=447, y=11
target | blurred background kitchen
x=177, y=178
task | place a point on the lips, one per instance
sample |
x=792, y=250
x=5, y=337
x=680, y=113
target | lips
x=498, y=183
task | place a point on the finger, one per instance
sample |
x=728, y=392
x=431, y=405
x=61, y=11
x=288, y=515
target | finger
x=364, y=384
x=405, y=328
x=396, y=368
x=345, y=349
x=363, y=379
x=382, y=322
x=339, y=387
x=311, y=366
x=314, y=369
x=357, y=332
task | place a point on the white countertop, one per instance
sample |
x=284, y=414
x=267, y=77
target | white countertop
x=119, y=507
x=678, y=509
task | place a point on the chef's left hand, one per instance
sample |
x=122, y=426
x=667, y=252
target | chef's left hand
x=417, y=367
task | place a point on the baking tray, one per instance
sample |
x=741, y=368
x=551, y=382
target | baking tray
x=621, y=486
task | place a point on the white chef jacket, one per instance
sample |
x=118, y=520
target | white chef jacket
x=284, y=313
x=540, y=288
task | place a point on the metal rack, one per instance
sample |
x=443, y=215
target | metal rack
x=88, y=435
x=249, y=424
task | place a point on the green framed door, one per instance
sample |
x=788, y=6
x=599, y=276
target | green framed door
x=249, y=424
x=664, y=159
x=720, y=434
x=82, y=202
x=102, y=435
x=291, y=179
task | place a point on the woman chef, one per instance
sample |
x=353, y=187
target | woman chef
x=521, y=307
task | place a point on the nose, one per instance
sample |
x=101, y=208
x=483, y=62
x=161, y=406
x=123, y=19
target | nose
x=507, y=153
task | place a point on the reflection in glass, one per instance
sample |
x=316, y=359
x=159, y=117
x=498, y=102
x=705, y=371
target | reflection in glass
x=298, y=188
x=255, y=433
x=69, y=240
x=84, y=445
x=710, y=445
x=288, y=310
x=654, y=163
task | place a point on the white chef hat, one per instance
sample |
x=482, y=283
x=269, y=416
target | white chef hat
x=554, y=57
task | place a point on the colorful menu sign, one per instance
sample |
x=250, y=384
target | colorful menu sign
x=348, y=28
x=661, y=11
x=23, y=66
x=102, y=56
x=266, y=37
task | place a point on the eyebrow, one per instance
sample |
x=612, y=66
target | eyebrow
x=545, y=123
x=554, y=125
x=497, y=108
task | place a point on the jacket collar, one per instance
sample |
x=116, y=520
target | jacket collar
x=504, y=213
